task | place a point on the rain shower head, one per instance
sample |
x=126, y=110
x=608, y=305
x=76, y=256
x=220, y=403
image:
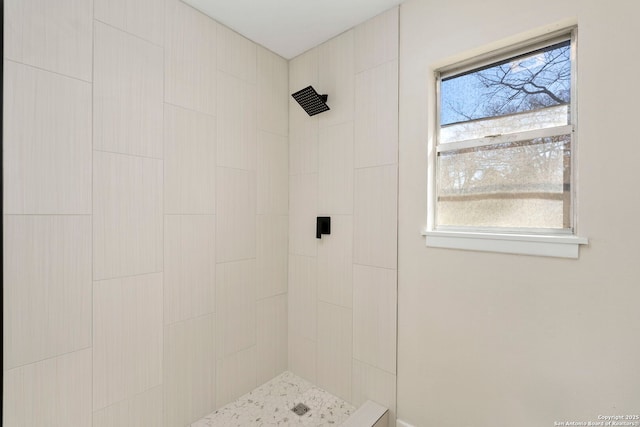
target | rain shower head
x=311, y=101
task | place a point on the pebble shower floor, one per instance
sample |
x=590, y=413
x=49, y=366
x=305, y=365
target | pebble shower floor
x=271, y=404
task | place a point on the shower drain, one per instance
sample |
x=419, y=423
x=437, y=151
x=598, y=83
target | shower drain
x=300, y=409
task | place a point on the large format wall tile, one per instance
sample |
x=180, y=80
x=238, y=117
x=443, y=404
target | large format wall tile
x=335, y=262
x=303, y=291
x=47, y=287
x=55, y=36
x=375, y=236
x=127, y=337
x=235, y=307
x=374, y=316
x=127, y=215
x=190, y=58
x=236, y=54
x=273, y=174
x=237, y=132
x=271, y=334
x=303, y=70
x=336, y=79
x=142, y=410
x=303, y=141
x=54, y=392
x=236, y=215
x=144, y=18
x=303, y=209
x=370, y=383
x=302, y=356
x=47, y=142
x=376, y=41
x=376, y=124
x=273, y=92
x=334, y=349
x=303, y=130
x=335, y=171
x=235, y=376
x=189, y=266
x=189, y=159
x=127, y=94
x=272, y=256
x=189, y=365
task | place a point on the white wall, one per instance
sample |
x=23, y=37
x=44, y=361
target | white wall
x=343, y=164
x=488, y=339
x=145, y=213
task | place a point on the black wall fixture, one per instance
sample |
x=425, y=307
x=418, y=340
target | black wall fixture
x=311, y=101
x=323, y=226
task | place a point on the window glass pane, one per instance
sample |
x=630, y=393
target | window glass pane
x=529, y=82
x=531, y=120
x=523, y=184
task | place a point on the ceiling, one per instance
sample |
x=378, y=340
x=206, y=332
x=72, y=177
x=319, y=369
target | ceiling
x=290, y=27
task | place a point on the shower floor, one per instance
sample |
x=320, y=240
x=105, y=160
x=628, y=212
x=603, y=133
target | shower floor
x=271, y=403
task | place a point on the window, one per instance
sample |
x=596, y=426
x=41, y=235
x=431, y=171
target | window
x=505, y=143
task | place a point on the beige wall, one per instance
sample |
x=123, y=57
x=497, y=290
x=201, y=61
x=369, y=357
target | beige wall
x=145, y=213
x=487, y=339
x=343, y=164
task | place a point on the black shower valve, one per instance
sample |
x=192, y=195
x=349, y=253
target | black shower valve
x=323, y=226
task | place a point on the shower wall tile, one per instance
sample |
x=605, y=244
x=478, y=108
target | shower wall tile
x=303, y=70
x=336, y=78
x=237, y=132
x=303, y=210
x=272, y=256
x=335, y=176
x=376, y=125
x=303, y=130
x=335, y=263
x=335, y=349
x=47, y=142
x=237, y=55
x=189, y=159
x=375, y=217
x=374, y=316
x=273, y=97
x=56, y=36
x=127, y=215
x=55, y=392
x=303, y=291
x=189, y=365
x=376, y=41
x=47, y=287
x=235, y=307
x=273, y=174
x=189, y=267
x=235, y=376
x=190, y=58
x=370, y=383
x=271, y=347
x=144, y=409
x=302, y=355
x=144, y=18
x=127, y=337
x=127, y=94
x=236, y=215
x=303, y=141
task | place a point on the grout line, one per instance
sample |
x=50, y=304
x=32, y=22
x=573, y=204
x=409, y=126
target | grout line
x=128, y=33
x=55, y=356
x=128, y=154
x=35, y=67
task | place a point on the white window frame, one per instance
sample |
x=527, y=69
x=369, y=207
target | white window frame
x=554, y=243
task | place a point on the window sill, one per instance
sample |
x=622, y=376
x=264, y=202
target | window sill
x=542, y=245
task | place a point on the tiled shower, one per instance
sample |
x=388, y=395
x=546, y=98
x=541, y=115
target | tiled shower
x=160, y=196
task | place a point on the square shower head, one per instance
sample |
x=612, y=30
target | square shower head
x=311, y=101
